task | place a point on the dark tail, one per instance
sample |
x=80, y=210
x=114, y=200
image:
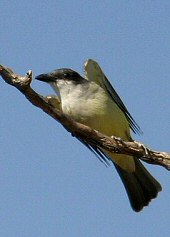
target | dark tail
x=140, y=185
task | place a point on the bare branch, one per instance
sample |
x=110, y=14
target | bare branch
x=85, y=133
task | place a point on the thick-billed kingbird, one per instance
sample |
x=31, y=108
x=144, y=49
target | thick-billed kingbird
x=93, y=101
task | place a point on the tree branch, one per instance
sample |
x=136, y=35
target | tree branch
x=80, y=131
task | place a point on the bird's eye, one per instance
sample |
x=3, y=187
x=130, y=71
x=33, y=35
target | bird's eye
x=66, y=75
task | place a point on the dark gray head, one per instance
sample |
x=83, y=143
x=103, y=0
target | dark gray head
x=60, y=74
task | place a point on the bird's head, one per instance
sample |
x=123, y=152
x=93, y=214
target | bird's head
x=64, y=74
x=63, y=80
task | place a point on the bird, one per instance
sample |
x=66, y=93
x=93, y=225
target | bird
x=92, y=101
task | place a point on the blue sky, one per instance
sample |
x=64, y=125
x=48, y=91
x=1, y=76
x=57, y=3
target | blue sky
x=50, y=185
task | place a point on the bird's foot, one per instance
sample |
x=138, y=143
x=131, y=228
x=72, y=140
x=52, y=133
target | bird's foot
x=146, y=150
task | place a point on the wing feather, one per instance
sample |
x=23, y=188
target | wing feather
x=94, y=73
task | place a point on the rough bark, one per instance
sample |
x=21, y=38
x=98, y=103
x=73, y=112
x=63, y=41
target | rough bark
x=80, y=131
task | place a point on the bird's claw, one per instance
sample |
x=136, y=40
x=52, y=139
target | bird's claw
x=146, y=150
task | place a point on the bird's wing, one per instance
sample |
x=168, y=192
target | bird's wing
x=94, y=73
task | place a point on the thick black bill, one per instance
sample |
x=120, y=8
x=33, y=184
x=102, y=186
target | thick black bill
x=45, y=78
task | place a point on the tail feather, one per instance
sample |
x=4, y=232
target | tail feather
x=140, y=185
